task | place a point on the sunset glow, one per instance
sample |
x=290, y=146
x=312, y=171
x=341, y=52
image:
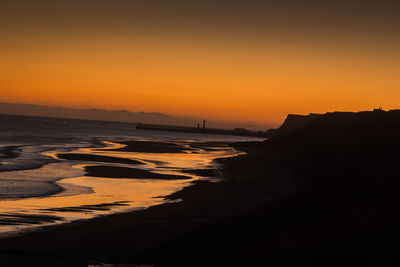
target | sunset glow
x=212, y=65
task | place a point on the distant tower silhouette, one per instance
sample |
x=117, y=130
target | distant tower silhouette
x=198, y=125
x=204, y=124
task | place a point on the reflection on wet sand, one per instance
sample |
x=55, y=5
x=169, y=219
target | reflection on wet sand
x=149, y=178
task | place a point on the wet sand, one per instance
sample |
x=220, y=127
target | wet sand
x=97, y=158
x=151, y=147
x=90, y=208
x=115, y=181
x=17, y=219
x=9, y=152
x=204, y=172
x=139, y=237
x=323, y=195
x=125, y=172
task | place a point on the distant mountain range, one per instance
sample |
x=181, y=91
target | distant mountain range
x=109, y=115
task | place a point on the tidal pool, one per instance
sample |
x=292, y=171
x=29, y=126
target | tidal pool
x=68, y=194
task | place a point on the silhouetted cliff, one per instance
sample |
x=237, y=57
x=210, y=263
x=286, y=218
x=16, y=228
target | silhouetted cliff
x=345, y=148
x=293, y=121
x=346, y=170
x=344, y=211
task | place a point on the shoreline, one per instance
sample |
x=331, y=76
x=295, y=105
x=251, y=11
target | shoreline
x=324, y=194
x=12, y=152
x=229, y=197
x=126, y=172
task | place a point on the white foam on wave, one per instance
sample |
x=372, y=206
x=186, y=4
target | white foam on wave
x=37, y=182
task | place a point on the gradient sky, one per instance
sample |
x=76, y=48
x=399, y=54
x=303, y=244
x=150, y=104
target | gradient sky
x=242, y=61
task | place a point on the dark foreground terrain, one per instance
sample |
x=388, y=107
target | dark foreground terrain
x=325, y=193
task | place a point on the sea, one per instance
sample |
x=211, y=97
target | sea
x=38, y=189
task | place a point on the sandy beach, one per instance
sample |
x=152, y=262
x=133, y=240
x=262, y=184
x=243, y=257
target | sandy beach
x=130, y=237
x=312, y=197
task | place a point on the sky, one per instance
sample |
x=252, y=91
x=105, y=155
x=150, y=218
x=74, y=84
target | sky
x=237, y=61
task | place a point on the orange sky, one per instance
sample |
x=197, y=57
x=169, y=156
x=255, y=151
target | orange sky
x=251, y=74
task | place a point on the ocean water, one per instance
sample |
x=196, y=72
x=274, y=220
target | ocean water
x=38, y=189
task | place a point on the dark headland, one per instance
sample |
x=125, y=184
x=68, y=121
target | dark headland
x=322, y=191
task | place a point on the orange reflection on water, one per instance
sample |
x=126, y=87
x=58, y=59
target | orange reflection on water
x=87, y=197
x=133, y=193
